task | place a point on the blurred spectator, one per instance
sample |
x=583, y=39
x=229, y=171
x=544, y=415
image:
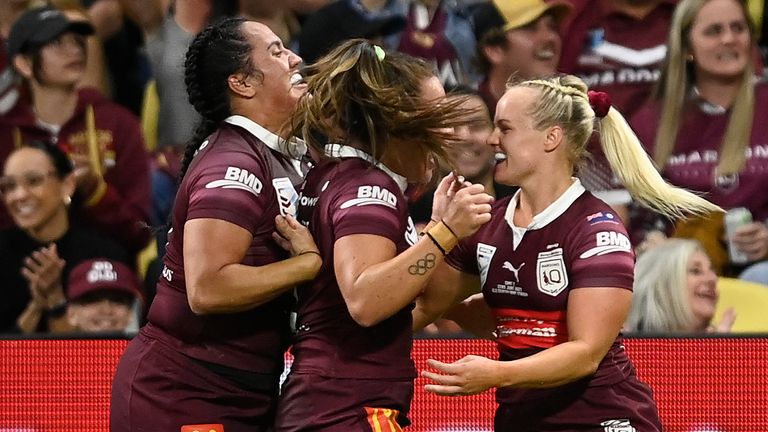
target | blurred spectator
x=340, y=20
x=473, y=158
x=617, y=46
x=675, y=291
x=103, y=297
x=277, y=15
x=519, y=38
x=37, y=254
x=10, y=10
x=103, y=139
x=704, y=126
x=437, y=32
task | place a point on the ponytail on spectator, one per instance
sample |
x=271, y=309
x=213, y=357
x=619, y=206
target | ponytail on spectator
x=677, y=81
x=217, y=52
x=564, y=101
x=361, y=94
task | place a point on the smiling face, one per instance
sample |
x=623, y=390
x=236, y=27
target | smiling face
x=720, y=41
x=33, y=193
x=472, y=156
x=533, y=51
x=106, y=312
x=517, y=144
x=701, y=288
x=280, y=85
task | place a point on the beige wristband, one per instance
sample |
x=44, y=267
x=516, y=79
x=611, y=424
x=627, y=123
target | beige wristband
x=443, y=237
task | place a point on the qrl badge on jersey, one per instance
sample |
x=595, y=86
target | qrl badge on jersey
x=287, y=197
x=551, y=278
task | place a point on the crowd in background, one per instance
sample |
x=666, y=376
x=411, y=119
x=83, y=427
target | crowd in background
x=95, y=118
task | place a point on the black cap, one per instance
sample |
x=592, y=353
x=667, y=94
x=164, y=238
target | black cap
x=339, y=21
x=40, y=26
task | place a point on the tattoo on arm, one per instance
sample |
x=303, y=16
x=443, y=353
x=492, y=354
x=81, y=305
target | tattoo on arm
x=422, y=265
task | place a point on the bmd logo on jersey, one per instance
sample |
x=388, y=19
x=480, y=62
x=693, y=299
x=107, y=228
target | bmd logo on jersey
x=551, y=278
x=372, y=195
x=238, y=178
x=608, y=242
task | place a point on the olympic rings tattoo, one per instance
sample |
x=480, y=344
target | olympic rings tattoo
x=422, y=265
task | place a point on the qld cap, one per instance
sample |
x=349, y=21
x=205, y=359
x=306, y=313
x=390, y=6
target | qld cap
x=41, y=25
x=512, y=14
x=96, y=275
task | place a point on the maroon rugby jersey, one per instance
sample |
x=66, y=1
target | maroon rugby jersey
x=526, y=276
x=342, y=197
x=696, y=154
x=240, y=175
x=617, y=53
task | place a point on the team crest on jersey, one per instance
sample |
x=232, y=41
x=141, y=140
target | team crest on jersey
x=287, y=197
x=484, y=256
x=237, y=178
x=551, y=278
x=411, y=236
x=620, y=425
x=372, y=195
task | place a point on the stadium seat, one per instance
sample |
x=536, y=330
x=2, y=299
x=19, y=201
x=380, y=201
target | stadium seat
x=749, y=299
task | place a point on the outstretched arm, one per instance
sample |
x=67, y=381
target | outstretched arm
x=595, y=317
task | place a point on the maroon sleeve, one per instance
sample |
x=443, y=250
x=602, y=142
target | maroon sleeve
x=463, y=256
x=602, y=257
x=368, y=203
x=231, y=186
x=124, y=208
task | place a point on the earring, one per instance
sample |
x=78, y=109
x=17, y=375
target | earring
x=67, y=200
x=689, y=58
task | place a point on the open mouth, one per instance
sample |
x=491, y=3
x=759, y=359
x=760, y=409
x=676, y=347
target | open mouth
x=297, y=79
x=499, y=157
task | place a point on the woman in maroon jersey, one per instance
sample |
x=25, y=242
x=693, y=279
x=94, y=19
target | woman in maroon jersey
x=385, y=112
x=555, y=267
x=705, y=124
x=212, y=352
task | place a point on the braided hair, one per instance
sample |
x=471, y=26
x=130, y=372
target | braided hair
x=220, y=50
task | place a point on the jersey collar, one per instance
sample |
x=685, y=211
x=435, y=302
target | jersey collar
x=340, y=150
x=549, y=214
x=272, y=141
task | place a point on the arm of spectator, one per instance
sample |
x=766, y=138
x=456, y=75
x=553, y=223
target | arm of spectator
x=43, y=272
x=726, y=322
x=216, y=280
x=120, y=201
x=475, y=316
x=106, y=17
x=752, y=239
x=147, y=14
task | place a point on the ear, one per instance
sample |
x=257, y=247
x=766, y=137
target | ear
x=241, y=85
x=68, y=186
x=554, y=138
x=23, y=66
x=494, y=53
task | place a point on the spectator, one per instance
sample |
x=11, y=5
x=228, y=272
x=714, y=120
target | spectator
x=104, y=296
x=347, y=19
x=519, y=38
x=10, y=11
x=704, y=126
x=675, y=291
x=38, y=254
x=103, y=139
x=438, y=31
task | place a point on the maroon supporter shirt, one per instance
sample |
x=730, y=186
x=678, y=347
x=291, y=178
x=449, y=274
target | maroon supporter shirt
x=241, y=175
x=343, y=197
x=696, y=154
x=617, y=53
x=526, y=275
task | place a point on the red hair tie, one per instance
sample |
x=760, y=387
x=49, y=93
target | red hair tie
x=600, y=103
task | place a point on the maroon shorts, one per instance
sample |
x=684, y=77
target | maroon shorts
x=156, y=388
x=626, y=406
x=315, y=403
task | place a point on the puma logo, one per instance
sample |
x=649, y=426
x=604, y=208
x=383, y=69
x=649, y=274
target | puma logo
x=508, y=265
